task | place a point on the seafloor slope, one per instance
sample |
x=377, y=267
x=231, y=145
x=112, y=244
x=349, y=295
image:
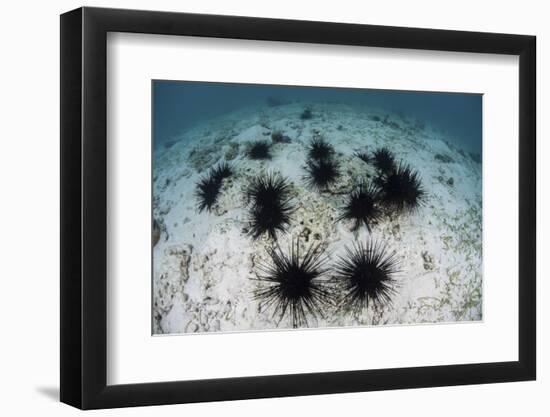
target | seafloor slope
x=204, y=262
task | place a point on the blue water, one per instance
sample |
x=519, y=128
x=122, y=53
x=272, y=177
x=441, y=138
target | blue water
x=180, y=105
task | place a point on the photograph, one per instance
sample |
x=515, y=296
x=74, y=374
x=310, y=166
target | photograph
x=290, y=207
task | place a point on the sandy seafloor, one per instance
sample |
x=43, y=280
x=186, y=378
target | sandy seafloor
x=203, y=262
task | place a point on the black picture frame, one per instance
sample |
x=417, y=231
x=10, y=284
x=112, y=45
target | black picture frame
x=84, y=207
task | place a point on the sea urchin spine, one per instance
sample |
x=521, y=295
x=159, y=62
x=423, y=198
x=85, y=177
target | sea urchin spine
x=270, y=205
x=294, y=285
x=362, y=206
x=207, y=192
x=384, y=160
x=321, y=174
x=222, y=171
x=319, y=149
x=259, y=150
x=364, y=156
x=365, y=274
x=402, y=190
x=208, y=187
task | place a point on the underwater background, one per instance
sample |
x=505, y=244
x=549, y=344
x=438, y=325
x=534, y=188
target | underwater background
x=279, y=207
x=179, y=105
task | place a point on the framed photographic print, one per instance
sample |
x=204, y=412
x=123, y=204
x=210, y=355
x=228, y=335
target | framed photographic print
x=259, y=207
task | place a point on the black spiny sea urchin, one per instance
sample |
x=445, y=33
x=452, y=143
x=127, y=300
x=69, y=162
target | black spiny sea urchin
x=383, y=160
x=222, y=171
x=306, y=114
x=209, y=186
x=364, y=156
x=207, y=192
x=270, y=205
x=321, y=174
x=365, y=274
x=259, y=150
x=362, y=206
x=294, y=285
x=402, y=190
x=319, y=149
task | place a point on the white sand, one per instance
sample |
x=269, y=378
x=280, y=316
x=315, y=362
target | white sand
x=203, y=263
